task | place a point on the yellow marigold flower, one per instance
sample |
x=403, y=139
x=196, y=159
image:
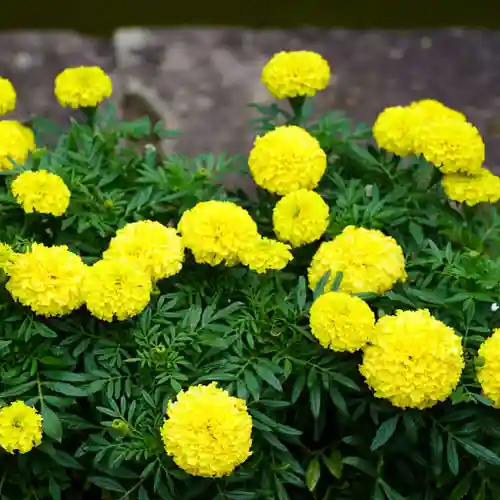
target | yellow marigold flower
x=341, y=322
x=157, y=248
x=489, y=373
x=369, y=260
x=452, y=145
x=395, y=128
x=16, y=142
x=116, y=288
x=434, y=110
x=207, y=432
x=42, y=192
x=47, y=279
x=7, y=96
x=300, y=217
x=472, y=189
x=20, y=428
x=7, y=256
x=266, y=254
x=414, y=360
x=217, y=232
x=82, y=87
x=287, y=159
x=294, y=74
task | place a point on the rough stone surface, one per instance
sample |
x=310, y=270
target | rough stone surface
x=31, y=60
x=200, y=80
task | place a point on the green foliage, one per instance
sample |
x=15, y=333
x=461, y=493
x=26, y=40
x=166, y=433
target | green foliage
x=319, y=433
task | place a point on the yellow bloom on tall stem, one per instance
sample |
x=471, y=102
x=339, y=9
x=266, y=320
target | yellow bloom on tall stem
x=20, y=428
x=207, y=432
x=82, y=87
x=8, y=96
x=16, y=142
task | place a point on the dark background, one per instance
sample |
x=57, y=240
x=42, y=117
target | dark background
x=101, y=17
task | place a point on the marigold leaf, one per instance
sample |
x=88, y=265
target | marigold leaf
x=313, y=473
x=384, y=432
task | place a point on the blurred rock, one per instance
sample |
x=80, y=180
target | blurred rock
x=32, y=60
x=200, y=80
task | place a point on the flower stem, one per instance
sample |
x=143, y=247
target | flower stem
x=297, y=105
x=90, y=115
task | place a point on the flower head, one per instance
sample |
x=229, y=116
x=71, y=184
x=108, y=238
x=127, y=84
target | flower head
x=341, y=322
x=394, y=130
x=300, y=217
x=472, y=189
x=16, y=142
x=414, y=360
x=266, y=254
x=489, y=373
x=368, y=260
x=20, y=428
x=217, y=232
x=117, y=288
x=42, y=192
x=7, y=96
x=287, y=159
x=454, y=146
x=157, y=248
x=47, y=279
x=294, y=74
x=82, y=87
x=431, y=109
x=207, y=432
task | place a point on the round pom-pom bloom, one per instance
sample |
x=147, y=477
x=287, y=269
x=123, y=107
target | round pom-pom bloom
x=435, y=110
x=472, y=189
x=489, y=373
x=294, y=74
x=452, y=145
x=395, y=128
x=413, y=360
x=341, y=322
x=82, y=87
x=157, y=248
x=300, y=217
x=287, y=159
x=266, y=254
x=207, y=432
x=217, y=232
x=42, y=192
x=369, y=261
x=20, y=428
x=7, y=96
x=16, y=142
x=117, y=288
x=47, y=279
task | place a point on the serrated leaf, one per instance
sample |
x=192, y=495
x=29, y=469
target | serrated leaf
x=106, y=483
x=479, y=451
x=252, y=384
x=268, y=376
x=452, y=456
x=52, y=425
x=384, y=432
x=66, y=389
x=334, y=464
x=313, y=473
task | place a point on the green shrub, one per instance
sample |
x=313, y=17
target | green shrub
x=102, y=388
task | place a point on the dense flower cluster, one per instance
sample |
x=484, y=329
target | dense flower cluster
x=489, y=373
x=82, y=87
x=117, y=288
x=207, y=432
x=266, y=254
x=413, y=360
x=7, y=96
x=341, y=322
x=296, y=73
x=472, y=189
x=157, y=248
x=429, y=128
x=287, y=159
x=20, y=428
x=217, y=232
x=300, y=217
x=16, y=142
x=368, y=260
x=47, y=279
x=42, y=192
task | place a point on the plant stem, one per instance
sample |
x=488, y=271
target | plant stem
x=90, y=114
x=297, y=105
